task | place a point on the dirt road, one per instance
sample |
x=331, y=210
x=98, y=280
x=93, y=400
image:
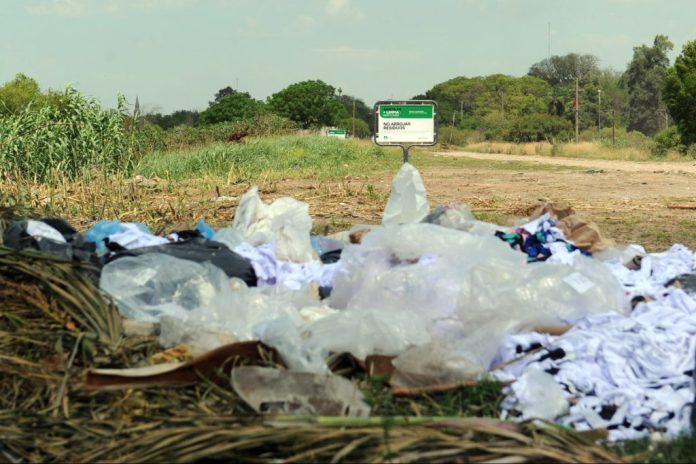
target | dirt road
x=609, y=165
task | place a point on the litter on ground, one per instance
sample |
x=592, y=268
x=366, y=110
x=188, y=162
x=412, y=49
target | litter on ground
x=446, y=298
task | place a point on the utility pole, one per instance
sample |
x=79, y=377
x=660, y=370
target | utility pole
x=613, y=127
x=577, y=109
x=353, y=133
x=599, y=112
x=461, y=110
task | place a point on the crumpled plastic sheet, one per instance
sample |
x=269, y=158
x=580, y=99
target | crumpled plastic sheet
x=455, y=216
x=149, y=286
x=470, y=290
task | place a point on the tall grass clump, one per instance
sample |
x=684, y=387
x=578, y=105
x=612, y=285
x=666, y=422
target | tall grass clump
x=274, y=156
x=153, y=138
x=68, y=137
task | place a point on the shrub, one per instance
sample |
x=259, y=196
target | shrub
x=667, y=139
x=362, y=129
x=449, y=135
x=539, y=127
x=496, y=126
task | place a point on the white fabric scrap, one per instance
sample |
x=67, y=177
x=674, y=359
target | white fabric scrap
x=272, y=271
x=131, y=236
x=630, y=374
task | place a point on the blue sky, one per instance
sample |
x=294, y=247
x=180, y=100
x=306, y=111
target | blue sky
x=175, y=54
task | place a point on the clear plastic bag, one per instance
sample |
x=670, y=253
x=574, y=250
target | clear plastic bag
x=408, y=201
x=365, y=332
x=433, y=363
x=149, y=286
x=497, y=300
x=413, y=267
x=459, y=217
x=228, y=236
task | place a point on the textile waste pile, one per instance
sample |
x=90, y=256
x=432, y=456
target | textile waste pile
x=583, y=332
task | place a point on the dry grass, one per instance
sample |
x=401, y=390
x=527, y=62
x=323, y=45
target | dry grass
x=321, y=439
x=586, y=150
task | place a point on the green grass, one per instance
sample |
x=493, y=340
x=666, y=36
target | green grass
x=315, y=157
x=481, y=400
x=271, y=158
x=681, y=449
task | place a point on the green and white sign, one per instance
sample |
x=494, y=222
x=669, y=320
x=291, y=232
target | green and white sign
x=406, y=123
x=338, y=133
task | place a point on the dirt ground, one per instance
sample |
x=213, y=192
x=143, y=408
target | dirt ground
x=633, y=202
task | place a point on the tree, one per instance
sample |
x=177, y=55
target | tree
x=362, y=129
x=559, y=70
x=644, y=79
x=468, y=101
x=362, y=111
x=310, y=103
x=680, y=92
x=16, y=94
x=562, y=72
x=227, y=91
x=231, y=107
x=177, y=118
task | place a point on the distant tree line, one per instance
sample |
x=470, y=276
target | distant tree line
x=650, y=97
x=310, y=104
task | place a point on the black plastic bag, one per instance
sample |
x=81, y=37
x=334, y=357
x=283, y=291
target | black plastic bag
x=200, y=250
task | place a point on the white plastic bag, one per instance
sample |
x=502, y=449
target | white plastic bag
x=408, y=201
x=539, y=396
x=286, y=222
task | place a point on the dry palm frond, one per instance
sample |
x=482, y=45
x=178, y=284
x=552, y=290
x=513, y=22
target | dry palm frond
x=319, y=439
x=69, y=292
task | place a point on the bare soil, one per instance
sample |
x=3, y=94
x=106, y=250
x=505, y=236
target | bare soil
x=633, y=202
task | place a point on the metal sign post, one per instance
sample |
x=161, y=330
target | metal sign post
x=406, y=124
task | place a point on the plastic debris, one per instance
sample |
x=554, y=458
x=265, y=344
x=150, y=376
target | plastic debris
x=629, y=373
x=433, y=363
x=228, y=236
x=539, y=396
x=199, y=250
x=285, y=222
x=204, y=229
x=367, y=331
x=152, y=285
x=49, y=235
x=408, y=202
x=124, y=235
x=459, y=217
x=275, y=391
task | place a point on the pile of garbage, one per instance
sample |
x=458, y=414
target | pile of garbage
x=588, y=334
